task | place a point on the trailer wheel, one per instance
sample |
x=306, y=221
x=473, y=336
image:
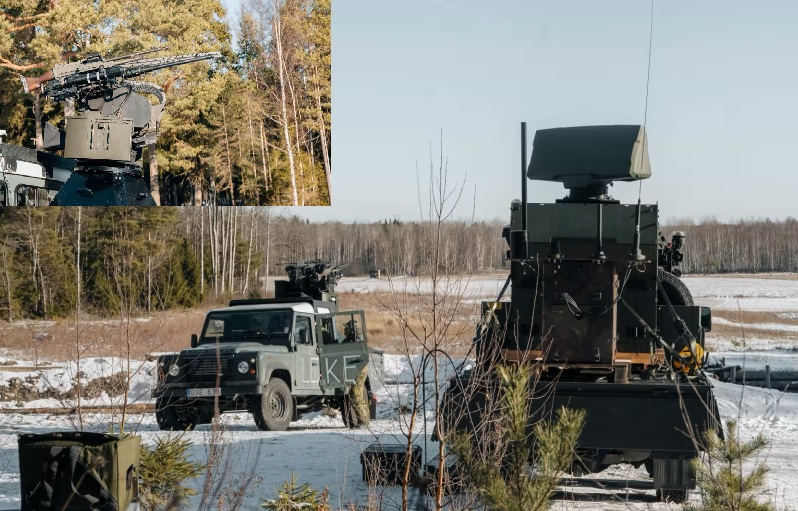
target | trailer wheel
x=167, y=417
x=674, y=288
x=274, y=408
x=675, y=496
x=673, y=479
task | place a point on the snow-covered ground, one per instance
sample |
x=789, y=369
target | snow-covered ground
x=721, y=293
x=320, y=451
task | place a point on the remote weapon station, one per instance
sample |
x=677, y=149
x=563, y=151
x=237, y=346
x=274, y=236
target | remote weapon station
x=598, y=308
x=114, y=123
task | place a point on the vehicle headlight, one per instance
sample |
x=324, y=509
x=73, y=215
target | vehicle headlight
x=174, y=370
x=243, y=367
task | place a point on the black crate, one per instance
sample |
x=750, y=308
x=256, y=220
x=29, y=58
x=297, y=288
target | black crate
x=384, y=464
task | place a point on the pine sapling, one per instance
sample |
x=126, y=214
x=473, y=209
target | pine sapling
x=509, y=486
x=292, y=496
x=724, y=484
x=162, y=471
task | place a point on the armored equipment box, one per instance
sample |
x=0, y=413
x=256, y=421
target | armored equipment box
x=77, y=471
x=94, y=138
x=384, y=464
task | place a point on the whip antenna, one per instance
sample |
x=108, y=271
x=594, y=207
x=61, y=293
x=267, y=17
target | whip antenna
x=648, y=70
x=636, y=255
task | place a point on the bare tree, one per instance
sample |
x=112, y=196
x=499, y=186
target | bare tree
x=278, y=29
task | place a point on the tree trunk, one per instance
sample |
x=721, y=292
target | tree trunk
x=149, y=273
x=229, y=176
x=233, y=234
x=77, y=326
x=155, y=189
x=249, y=250
x=296, y=128
x=278, y=37
x=202, y=250
x=252, y=155
x=38, y=139
x=264, y=151
x=7, y=278
x=268, y=241
x=325, y=151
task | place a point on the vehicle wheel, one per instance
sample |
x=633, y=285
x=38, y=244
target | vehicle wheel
x=649, y=464
x=673, y=286
x=348, y=413
x=276, y=407
x=675, y=496
x=168, y=418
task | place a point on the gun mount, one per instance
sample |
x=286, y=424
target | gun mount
x=597, y=307
x=316, y=279
x=114, y=122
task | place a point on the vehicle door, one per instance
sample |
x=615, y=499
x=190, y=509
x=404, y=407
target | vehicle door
x=342, y=347
x=306, y=373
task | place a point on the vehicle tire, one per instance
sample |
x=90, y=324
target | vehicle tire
x=674, y=496
x=348, y=413
x=674, y=288
x=275, y=408
x=167, y=417
x=649, y=464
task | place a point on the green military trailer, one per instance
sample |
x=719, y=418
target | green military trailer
x=277, y=358
x=599, y=311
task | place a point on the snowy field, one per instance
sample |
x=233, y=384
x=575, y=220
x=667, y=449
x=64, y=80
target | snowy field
x=320, y=451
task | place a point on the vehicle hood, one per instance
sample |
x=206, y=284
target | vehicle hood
x=226, y=348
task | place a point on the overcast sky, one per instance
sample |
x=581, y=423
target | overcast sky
x=722, y=114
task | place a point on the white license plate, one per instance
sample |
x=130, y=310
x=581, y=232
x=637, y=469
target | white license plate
x=204, y=392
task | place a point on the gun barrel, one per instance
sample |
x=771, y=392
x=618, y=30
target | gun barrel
x=104, y=74
x=136, y=54
x=149, y=65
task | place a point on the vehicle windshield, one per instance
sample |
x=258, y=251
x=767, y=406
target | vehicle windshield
x=265, y=326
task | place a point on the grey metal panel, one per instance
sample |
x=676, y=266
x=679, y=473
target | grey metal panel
x=578, y=156
x=578, y=221
x=98, y=138
x=376, y=369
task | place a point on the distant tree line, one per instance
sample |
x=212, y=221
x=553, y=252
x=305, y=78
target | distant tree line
x=746, y=246
x=134, y=260
x=253, y=128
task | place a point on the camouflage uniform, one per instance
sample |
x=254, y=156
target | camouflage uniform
x=358, y=393
x=360, y=398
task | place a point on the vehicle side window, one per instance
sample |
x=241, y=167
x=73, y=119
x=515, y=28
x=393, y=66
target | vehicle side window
x=2, y=194
x=302, y=332
x=328, y=331
x=31, y=196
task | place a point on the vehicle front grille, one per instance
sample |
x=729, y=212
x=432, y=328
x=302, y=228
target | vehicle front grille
x=207, y=369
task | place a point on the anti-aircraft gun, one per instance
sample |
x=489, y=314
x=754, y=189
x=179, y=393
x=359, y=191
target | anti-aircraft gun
x=598, y=309
x=316, y=279
x=114, y=123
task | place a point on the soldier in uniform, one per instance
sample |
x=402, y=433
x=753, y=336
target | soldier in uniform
x=358, y=393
